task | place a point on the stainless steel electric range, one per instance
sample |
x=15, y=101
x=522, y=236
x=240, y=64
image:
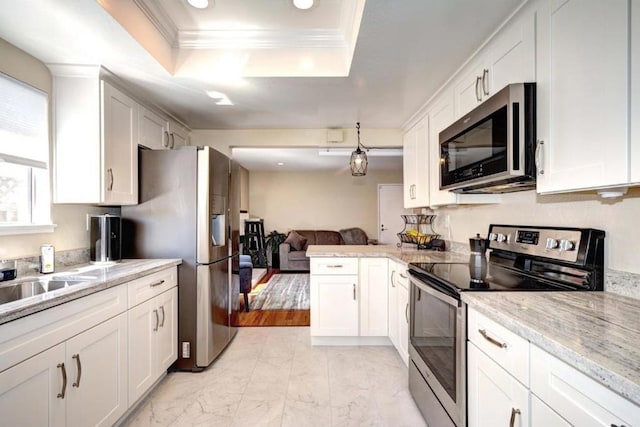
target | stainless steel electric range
x=522, y=258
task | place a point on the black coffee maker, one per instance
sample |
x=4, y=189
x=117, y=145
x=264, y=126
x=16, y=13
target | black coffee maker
x=477, y=259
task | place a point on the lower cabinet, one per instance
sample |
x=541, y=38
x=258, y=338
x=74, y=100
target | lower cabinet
x=494, y=397
x=79, y=382
x=399, y=309
x=403, y=322
x=374, y=297
x=334, y=305
x=153, y=341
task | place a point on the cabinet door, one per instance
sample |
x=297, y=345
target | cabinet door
x=635, y=91
x=29, y=390
x=154, y=130
x=97, y=374
x=583, y=95
x=167, y=336
x=334, y=305
x=394, y=327
x=120, y=147
x=511, y=57
x=493, y=396
x=542, y=415
x=440, y=117
x=179, y=135
x=143, y=321
x=468, y=91
x=416, y=165
x=403, y=323
x=374, y=297
x=409, y=147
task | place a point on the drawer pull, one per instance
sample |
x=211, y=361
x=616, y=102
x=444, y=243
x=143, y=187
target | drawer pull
x=79, y=366
x=514, y=412
x=403, y=276
x=158, y=283
x=334, y=265
x=493, y=341
x=64, y=381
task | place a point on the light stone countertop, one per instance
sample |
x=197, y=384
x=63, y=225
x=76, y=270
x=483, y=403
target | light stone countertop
x=397, y=254
x=105, y=277
x=598, y=333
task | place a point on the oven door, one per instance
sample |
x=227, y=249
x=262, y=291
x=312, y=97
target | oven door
x=437, y=346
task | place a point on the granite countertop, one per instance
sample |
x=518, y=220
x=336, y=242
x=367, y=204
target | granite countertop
x=104, y=277
x=598, y=333
x=397, y=254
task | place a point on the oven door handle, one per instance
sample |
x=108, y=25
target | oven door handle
x=436, y=293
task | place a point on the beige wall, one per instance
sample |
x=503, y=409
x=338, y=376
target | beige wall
x=70, y=231
x=318, y=200
x=620, y=218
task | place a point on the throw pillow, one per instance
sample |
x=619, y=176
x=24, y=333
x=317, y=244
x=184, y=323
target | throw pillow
x=296, y=241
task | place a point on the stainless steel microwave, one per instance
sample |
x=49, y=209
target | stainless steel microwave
x=492, y=148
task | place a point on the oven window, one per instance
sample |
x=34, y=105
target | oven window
x=486, y=141
x=433, y=335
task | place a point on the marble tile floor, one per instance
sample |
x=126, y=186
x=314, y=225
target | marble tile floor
x=272, y=376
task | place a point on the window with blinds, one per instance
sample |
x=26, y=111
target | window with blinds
x=24, y=156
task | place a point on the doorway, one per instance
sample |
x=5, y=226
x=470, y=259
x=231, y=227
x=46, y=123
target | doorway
x=390, y=207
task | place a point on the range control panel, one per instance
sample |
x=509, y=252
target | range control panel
x=561, y=243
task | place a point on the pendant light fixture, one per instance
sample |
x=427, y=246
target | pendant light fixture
x=358, y=161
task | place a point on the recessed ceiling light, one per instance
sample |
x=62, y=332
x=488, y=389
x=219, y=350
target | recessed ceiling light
x=280, y=163
x=199, y=4
x=303, y=4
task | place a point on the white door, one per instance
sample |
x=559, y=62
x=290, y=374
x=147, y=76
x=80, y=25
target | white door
x=390, y=207
x=167, y=337
x=334, y=305
x=393, y=303
x=97, y=374
x=374, y=297
x=142, y=322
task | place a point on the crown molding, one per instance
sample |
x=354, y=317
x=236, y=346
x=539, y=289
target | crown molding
x=160, y=19
x=261, y=39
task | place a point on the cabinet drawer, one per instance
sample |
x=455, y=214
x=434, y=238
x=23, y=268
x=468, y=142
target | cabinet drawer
x=577, y=398
x=144, y=288
x=334, y=265
x=505, y=347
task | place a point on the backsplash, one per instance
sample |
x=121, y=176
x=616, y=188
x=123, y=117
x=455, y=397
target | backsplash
x=30, y=266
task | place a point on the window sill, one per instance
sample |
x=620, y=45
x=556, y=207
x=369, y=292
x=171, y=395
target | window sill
x=10, y=230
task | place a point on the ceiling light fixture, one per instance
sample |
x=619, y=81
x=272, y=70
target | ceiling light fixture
x=358, y=161
x=199, y=4
x=303, y=4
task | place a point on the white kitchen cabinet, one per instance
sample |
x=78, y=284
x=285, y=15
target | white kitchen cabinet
x=153, y=128
x=95, y=138
x=29, y=390
x=543, y=416
x=76, y=383
x=575, y=397
x=152, y=341
x=374, y=297
x=399, y=309
x=494, y=397
x=394, y=326
x=415, y=158
x=334, y=305
x=440, y=117
x=583, y=95
x=178, y=135
x=471, y=88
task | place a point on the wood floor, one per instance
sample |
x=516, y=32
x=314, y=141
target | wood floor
x=271, y=317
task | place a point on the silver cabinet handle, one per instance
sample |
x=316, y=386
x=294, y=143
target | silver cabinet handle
x=493, y=341
x=406, y=312
x=540, y=157
x=354, y=291
x=393, y=273
x=334, y=265
x=158, y=283
x=155, y=328
x=110, y=172
x=485, y=81
x=162, y=321
x=173, y=140
x=64, y=381
x=403, y=276
x=165, y=143
x=478, y=94
x=514, y=412
x=79, y=366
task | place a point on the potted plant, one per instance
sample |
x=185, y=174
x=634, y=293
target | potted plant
x=272, y=241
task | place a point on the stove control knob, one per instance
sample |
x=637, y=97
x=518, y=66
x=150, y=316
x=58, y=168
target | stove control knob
x=493, y=236
x=552, y=243
x=502, y=238
x=567, y=245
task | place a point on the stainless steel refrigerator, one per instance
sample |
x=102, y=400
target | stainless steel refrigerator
x=184, y=211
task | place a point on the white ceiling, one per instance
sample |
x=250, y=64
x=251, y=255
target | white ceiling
x=405, y=50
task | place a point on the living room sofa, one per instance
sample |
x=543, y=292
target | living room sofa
x=293, y=250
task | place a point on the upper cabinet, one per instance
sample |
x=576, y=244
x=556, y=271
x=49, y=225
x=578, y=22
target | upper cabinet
x=508, y=58
x=159, y=132
x=177, y=135
x=415, y=155
x=95, y=139
x=586, y=96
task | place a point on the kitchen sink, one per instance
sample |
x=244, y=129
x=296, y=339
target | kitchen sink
x=36, y=286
